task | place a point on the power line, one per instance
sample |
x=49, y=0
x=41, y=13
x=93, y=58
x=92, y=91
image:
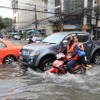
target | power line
x=32, y=4
x=43, y=11
x=66, y=15
x=73, y=13
x=27, y=9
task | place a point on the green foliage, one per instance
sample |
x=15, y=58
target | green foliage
x=1, y=23
x=8, y=22
x=5, y=23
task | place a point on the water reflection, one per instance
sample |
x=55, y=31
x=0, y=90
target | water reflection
x=45, y=86
x=9, y=71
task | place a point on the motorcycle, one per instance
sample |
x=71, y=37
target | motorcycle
x=59, y=67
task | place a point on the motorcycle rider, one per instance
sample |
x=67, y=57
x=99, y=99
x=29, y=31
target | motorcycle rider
x=30, y=40
x=71, y=57
x=81, y=54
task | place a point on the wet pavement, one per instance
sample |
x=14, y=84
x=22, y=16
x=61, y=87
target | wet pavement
x=32, y=85
x=18, y=42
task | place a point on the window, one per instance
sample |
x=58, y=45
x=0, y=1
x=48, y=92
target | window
x=55, y=38
x=2, y=45
x=57, y=2
x=83, y=38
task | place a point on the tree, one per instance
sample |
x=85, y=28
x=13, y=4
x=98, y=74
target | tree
x=5, y=23
x=1, y=23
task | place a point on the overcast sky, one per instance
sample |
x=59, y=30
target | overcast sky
x=3, y=11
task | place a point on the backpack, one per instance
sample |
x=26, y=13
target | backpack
x=81, y=53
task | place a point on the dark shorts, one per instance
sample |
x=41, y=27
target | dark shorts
x=82, y=60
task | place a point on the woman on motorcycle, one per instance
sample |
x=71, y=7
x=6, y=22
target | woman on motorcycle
x=81, y=54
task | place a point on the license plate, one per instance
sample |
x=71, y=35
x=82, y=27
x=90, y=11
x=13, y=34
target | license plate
x=21, y=57
x=25, y=52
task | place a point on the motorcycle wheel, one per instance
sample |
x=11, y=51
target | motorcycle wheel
x=80, y=70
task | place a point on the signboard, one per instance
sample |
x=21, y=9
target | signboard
x=69, y=27
x=84, y=27
x=72, y=26
x=93, y=21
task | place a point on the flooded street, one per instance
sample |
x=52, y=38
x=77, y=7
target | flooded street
x=40, y=31
x=40, y=86
x=15, y=85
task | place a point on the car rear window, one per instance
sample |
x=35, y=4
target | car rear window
x=83, y=38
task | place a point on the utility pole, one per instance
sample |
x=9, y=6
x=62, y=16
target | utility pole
x=97, y=19
x=35, y=17
x=84, y=27
x=93, y=17
x=61, y=12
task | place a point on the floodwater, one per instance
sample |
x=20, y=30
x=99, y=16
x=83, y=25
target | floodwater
x=32, y=85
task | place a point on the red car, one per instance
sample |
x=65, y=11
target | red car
x=8, y=52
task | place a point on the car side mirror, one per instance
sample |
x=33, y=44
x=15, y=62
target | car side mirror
x=65, y=42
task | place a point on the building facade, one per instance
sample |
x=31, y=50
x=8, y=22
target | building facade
x=73, y=13
x=63, y=9
x=95, y=21
x=27, y=14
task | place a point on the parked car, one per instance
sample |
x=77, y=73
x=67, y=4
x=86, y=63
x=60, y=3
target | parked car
x=8, y=52
x=35, y=39
x=1, y=36
x=42, y=55
x=16, y=37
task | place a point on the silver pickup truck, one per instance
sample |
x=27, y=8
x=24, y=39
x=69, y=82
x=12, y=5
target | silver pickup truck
x=41, y=55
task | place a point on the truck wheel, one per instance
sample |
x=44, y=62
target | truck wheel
x=96, y=58
x=46, y=64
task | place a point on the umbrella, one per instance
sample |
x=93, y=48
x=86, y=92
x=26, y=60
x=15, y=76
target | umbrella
x=14, y=33
x=33, y=31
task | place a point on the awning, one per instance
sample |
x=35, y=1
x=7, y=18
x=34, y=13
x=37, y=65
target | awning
x=33, y=32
